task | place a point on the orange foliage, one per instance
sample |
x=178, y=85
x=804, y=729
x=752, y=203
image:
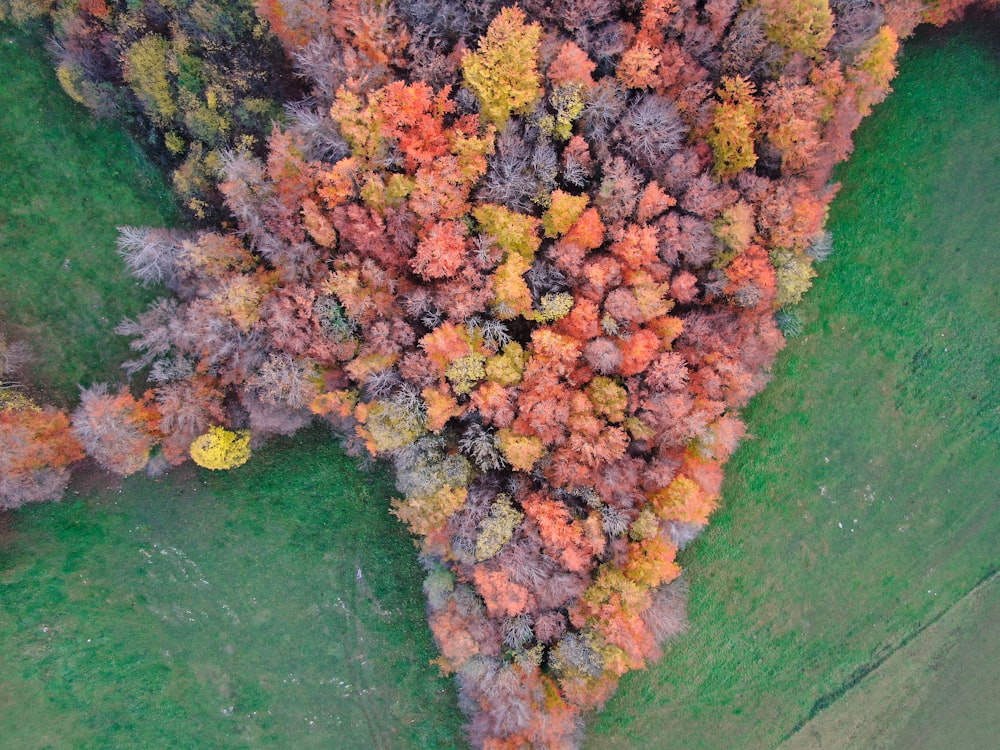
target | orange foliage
x=445, y=343
x=456, y=644
x=572, y=542
x=752, y=267
x=441, y=406
x=637, y=69
x=441, y=252
x=587, y=232
x=683, y=500
x=651, y=561
x=495, y=403
x=503, y=597
x=32, y=439
x=572, y=66
x=583, y=321
x=117, y=430
x=637, y=248
x=638, y=351
x=653, y=202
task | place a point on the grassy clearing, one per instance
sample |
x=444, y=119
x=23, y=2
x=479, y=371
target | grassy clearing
x=68, y=181
x=865, y=503
x=938, y=691
x=277, y=605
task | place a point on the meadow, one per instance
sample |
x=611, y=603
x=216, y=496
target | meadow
x=279, y=604
x=68, y=181
x=275, y=606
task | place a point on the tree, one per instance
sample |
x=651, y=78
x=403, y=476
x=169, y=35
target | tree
x=734, y=126
x=115, y=429
x=874, y=68
x=503, y=72
x=221, y=449
x=441, y=252
x=804, y=26
x=638, y=66
x=36, y=448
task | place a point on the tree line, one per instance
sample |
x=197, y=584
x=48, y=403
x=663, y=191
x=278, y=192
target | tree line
x=537, y=256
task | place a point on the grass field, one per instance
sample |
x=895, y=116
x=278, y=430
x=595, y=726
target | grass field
x=937, y=692
x=68, y=181
x=277, y=605
x=865, y=502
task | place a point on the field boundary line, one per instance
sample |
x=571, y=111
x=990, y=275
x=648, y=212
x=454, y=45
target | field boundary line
x=829, y=699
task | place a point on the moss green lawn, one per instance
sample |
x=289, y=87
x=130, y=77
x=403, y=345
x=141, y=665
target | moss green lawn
x=277, y=605
x=937, y=692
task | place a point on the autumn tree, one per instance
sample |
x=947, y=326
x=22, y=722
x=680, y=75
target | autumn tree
x=734, y=127
x=116, y=429
x=503, y=72
x=804, y=26
x=37, y=447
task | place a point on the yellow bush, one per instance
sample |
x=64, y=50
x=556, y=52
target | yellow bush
x=507, y=368
x=511, y=296
x=425, y=514
x=794, y=274
x=464, y=372
x=521, y=451
x=567, y=101
x=220, y=448
x=564, y=211
x=70, y=78
x=552, y=307
x=498, y=528
x=514, y=232
x=804, y=26
x=146, y=65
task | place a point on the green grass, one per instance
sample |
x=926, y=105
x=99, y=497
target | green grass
x=68, y=181
x=865, y=502
x=276, y=605
x=938, y=692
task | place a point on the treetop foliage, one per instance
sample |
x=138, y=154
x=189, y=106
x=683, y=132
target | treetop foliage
x=531, y=255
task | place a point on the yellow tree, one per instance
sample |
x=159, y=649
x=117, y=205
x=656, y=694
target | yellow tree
x=220, y=448
x=504, y=72
x=733, y=127
x=804, y=26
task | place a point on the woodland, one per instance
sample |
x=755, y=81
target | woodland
x=537, y=257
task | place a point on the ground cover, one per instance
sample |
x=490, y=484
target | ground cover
x=938, y=691
x=864, y=503
x=277, y=605
x=68, y=180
